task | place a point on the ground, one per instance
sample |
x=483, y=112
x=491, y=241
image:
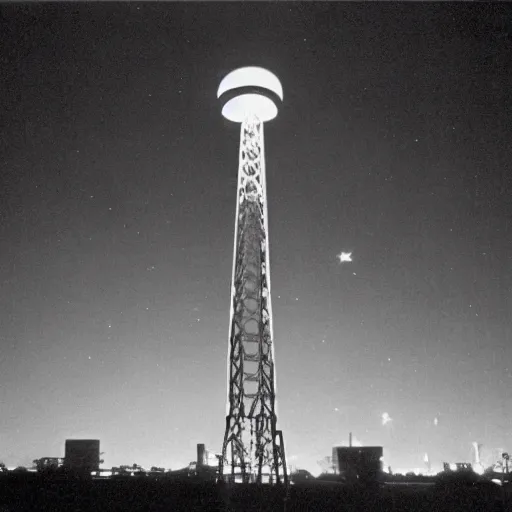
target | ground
x=32, y=493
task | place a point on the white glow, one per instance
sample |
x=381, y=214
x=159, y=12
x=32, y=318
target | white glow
x=345, y=257
x=386, y=418
x=241, y=107
x=478, y=469
x=248, y=76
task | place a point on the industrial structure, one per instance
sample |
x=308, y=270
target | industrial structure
x=360, y=464
x=82, y=455
x=253, y=448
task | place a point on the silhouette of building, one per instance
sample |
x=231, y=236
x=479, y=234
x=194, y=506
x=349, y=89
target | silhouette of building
x=82, y=455
x=202, y=459
x=361, y=464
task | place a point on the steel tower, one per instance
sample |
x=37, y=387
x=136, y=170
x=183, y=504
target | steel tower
x=253, y=448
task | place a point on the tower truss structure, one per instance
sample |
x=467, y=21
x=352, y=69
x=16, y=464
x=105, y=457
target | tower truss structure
x=253, y=448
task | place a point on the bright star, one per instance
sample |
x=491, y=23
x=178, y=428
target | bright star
x=344, y=257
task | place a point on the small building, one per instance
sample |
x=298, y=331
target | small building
x=48, y=463
x=361, y=464
x=82, y=455
x=457, y=466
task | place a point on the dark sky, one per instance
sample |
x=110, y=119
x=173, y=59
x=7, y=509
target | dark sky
x=118, y=181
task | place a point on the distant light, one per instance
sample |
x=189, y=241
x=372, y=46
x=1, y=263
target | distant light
x=345, y=257
x=386, y=418
x=478, y=469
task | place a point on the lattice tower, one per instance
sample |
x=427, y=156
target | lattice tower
x=253, y=448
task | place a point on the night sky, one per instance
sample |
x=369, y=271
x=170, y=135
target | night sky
x=117, y=198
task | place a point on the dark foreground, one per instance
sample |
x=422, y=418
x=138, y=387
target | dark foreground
x=39, y=495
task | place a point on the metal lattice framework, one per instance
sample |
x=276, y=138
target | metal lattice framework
x=252, y=447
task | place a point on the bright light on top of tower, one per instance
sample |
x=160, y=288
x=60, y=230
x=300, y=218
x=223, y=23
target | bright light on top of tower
x=243, y=77
x=250, y=91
